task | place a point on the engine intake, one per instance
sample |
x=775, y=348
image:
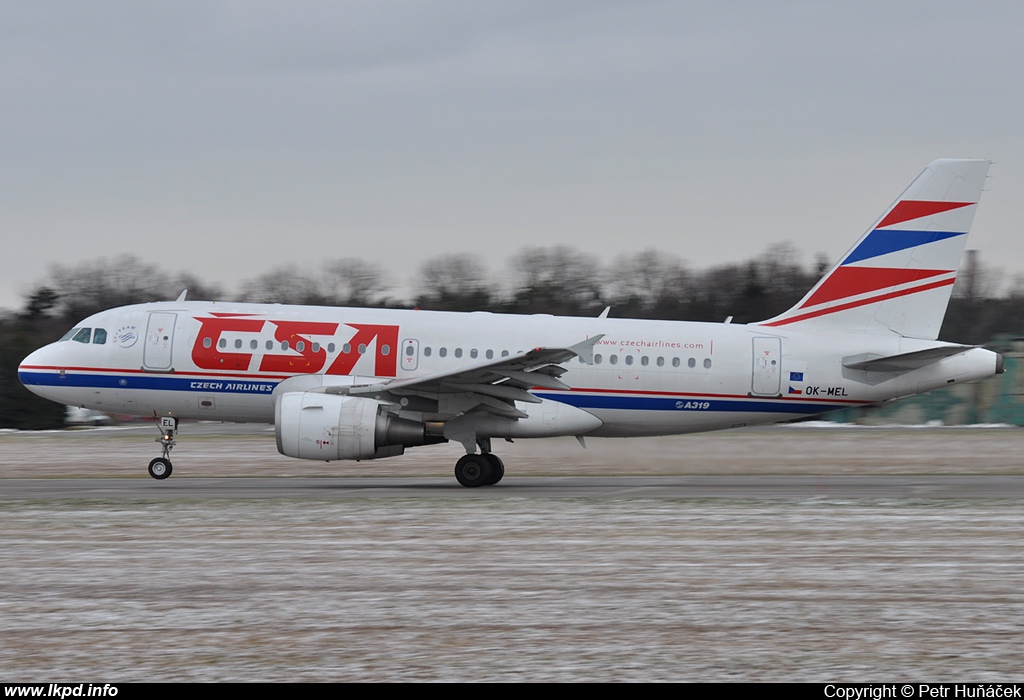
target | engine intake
x=311, y=425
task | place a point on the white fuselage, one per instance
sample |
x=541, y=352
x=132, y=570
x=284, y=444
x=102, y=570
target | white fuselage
x=222, y=361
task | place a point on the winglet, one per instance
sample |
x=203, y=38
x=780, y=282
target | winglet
x=181, y=297
x=585, y=350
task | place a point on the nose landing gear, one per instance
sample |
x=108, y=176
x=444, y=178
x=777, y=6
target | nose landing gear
x=160, y=468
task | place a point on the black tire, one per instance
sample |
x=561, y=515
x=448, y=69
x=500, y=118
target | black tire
x=497, y=468
x=473, y=470
x=160, y=468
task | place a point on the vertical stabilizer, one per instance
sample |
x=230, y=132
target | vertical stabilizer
x=898, y=277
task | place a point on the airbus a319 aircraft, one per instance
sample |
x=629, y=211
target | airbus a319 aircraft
x=360, y=384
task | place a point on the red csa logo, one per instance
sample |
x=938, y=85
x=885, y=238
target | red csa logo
x=301, y=357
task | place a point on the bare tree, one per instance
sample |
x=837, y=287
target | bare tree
x=556, y=280
x=285, y=284
x=339, y=282
x=92, y=286
x=649, y=284
x=353, y=282
x=454, y=283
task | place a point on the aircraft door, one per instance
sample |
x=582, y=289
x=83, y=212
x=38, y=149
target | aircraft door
x=767, y=371
x=410, y=354
x=159, y=341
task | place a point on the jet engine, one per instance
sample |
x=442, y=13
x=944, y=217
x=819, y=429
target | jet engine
x=311, y=425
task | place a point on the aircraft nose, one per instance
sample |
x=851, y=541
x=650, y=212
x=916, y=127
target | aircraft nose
x=36, y=371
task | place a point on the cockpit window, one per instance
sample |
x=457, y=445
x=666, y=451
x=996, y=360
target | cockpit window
x=99, y=337
x=83, y=335
x=69, y=335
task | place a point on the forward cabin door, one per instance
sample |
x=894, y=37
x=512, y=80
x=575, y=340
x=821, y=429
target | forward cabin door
x=767, y=371
x=159, y=341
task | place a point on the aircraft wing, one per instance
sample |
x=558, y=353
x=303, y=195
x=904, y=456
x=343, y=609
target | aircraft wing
x=492, y=385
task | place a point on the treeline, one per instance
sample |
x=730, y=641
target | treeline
x=554, y=280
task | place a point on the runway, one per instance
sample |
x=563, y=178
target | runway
x=741, y=488
x=792, y=554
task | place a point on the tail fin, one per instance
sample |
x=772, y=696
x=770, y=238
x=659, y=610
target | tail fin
x=899, y=275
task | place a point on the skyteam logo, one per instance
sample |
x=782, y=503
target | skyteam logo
x=126, y=336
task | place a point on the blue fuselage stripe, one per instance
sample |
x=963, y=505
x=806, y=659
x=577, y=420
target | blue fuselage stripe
x=149, y=381
x=156, y=382
x=672, y=403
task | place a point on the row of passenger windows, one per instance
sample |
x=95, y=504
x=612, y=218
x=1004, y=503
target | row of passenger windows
x=645, y=361
x=628, y=360
x=98, y=336
x=443, y=352
x=84, y=335
x=300, y=346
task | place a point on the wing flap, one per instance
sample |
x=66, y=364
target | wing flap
x=491, y=385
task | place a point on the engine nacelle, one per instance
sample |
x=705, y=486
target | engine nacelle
x=311, y=425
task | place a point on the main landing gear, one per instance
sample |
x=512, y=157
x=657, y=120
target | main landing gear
x=484, y=469
x=160, y=468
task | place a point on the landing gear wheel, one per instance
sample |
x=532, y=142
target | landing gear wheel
x=160, y=468
x=497, y=468
x=473, y=470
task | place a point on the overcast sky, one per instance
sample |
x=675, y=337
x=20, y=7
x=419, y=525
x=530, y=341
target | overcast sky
x=224, y=138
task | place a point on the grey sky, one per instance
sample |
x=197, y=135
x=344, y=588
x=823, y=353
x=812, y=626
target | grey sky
x=224, y=138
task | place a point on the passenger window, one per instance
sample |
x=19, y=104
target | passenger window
x=597, y=359
x=473, y=353
x=346, y=349
x=330, y=347
x=707, y=363
x=409, y=350
x=362, y=348
x=426, y=351
x=222, y=343
x=253, y=344
x=613, y=359
x=83, y=335
x=238, y=344
x=385, y=350
x=645, y=360
x=629, y=359
x=458, y=352
x=661, y=362
x=99, y=337
x=443, y=352
x=675, y=361
x=504, y=353
x=489, y=354
x=284, y=345
x=691, y=363
x=207, y=342
x=300, y=345
x=270, y=345
x=316, y=347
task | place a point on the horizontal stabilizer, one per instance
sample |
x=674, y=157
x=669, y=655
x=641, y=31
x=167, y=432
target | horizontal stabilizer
x=905, y=362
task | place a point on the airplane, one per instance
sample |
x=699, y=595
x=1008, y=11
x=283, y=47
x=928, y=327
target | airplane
x=361, y=384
